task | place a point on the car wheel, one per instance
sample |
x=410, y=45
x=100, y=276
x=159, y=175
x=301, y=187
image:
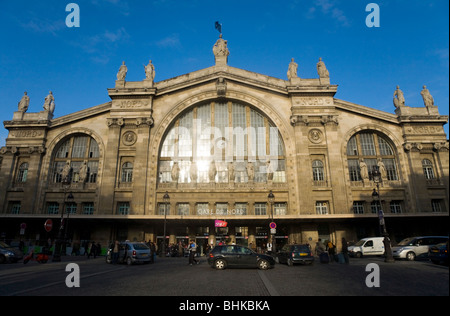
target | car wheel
x=2, y=259
x=358, y=255
x=220, y=264
x=289, y=262
x=263, y=264
x=411, y=256
x=129, y=261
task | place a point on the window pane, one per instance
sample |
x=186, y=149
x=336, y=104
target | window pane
x=385, y=148
x=79, y=147
x=367, y=144
x=185, y=135
x=352, y=148
x=260, y=209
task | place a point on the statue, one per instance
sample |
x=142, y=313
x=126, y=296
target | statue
x=220, y=48
x=399, y=99
x=83, y=172
x=175, y=172
x=382, y=168
x=221, y=52
x=65, y=173
x=49, y=103
x=212, y=172
x=231, y=173
x=363, y=170
x=292, y=71
x=121, y=75
x=24, y=103
x=150, y=71
x=322, y=69
x=269, y=171
x=427, y=98
x=193, y=171
x=250, y=171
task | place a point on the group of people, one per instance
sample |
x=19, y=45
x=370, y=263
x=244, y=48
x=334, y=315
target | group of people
x=330, y=248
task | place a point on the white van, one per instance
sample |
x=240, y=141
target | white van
x=367, y=247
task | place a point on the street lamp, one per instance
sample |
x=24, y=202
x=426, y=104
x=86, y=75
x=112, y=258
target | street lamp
x=59, y=241
x=166, y=199
x=375, y=175
x=271, y=199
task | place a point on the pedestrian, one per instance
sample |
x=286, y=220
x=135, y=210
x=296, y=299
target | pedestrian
x=93, y=250
x=115, y=252
x=153, y=252
x=192, y=251
x=331, y=248
x=320, y=247
x=345, y=250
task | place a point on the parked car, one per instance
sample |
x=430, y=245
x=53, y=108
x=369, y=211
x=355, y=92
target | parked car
x=439, y=253
x=130, y=253
x=9, y=254
x=416, y=247
x=367, y=247
x=291, y=254
x=234, y=256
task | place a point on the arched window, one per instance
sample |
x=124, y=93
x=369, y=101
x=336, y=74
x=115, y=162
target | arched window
x=427, y=167
x=222, y=142
x=373, y=149
x=76, y=150
x=318, y=174
x=23, y=172
x=127, y=172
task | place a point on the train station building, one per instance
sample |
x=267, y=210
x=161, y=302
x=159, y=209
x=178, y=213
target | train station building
x=225, y=144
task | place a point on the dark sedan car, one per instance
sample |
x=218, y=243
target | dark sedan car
x=234, y=256
x=9, y=254
x=291, y=254
x=439, y=253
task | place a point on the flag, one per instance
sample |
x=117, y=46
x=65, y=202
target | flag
x=218, y=26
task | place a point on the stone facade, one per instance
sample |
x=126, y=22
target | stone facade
x=319, y=187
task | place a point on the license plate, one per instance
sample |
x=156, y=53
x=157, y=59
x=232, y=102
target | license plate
x=144, y=254
x=434, y=250
x=303, y=254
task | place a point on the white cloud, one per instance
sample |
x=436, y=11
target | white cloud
x=169, y=41
x=328, y=7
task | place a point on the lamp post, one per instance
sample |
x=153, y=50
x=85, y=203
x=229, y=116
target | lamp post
x=271, y=199
x=59, y=241
x=166, y=199
x=375, y=175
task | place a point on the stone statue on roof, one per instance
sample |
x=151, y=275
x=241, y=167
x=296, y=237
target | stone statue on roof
x=150, y=71
x=121, y=75
x=221, y=51
x=24, y=103
x=399, y=99
x=292, y=71
x=322, y=69
x=427, y=98
x=49, y=103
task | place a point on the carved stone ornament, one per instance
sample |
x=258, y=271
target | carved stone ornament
x=221, y=87
x=129, y=138
x=315, y=136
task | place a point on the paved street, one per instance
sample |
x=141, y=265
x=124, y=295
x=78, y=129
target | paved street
x=174, y=277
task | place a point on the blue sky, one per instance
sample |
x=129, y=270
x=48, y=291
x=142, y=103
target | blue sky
x=40, y=53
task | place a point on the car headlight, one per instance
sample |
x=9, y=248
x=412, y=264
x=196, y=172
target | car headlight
x=10, y=253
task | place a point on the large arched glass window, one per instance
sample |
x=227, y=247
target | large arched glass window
x=76, y=150
x=222, y=142
x=373, y=149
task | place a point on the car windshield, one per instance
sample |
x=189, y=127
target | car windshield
x=3, y=245
x=140, y=247
x=360, y=243
x=300, y=248
x=406, y=242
